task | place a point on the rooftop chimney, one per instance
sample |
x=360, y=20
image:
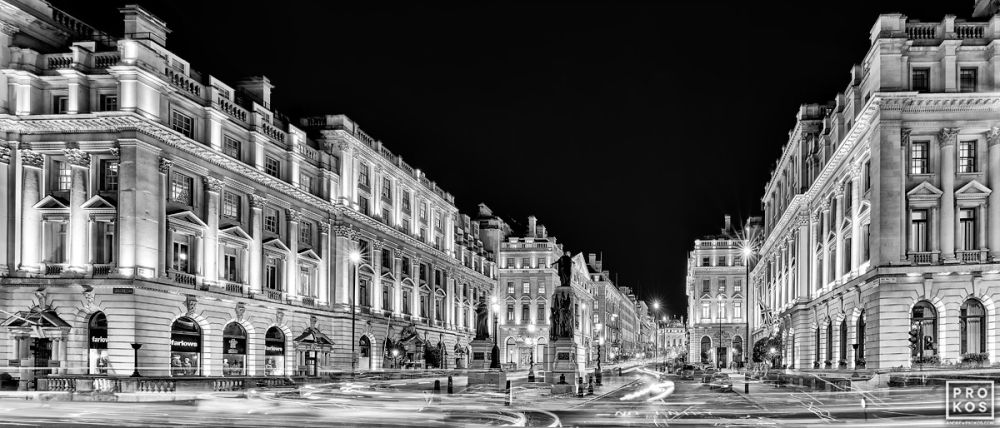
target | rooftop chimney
x=541, y=232
x=140, y=24
x=532, y=226
x=258, y=87
x=729, y=223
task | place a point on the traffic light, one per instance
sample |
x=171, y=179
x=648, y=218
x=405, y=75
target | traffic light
x=914, y=337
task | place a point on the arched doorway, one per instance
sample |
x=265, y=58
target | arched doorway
x=511, y=350
x=274, y=352
x=924, y=327
x=365, y=352
x=234, y=344
x=843, y=344
x=829, y=344
x=185, y=347
x=706, y=350
x=859, y=354
x=973, y=321
x=97, y=338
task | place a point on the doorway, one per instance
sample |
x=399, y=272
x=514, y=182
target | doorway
x=41, y=350
x=722, y=356
x=310, y=360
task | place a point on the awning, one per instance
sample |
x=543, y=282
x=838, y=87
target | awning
x=35, y=317
x=314, y=336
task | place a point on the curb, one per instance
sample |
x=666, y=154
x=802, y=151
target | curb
x=598, y=397
x=750, y=400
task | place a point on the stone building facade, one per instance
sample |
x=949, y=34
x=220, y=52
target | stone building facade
x=717, y=298
x=146, y=203
x=880, y=215
x=613, y=315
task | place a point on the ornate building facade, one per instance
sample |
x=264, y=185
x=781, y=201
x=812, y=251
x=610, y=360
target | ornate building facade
x=146, y=203
x=881, y=218
x=717, y=298
x=614, y=314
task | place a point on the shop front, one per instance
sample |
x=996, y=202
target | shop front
x=185, y=348
x=234, y=345
x=97, y=339
x=274, y=352
x=313, y=349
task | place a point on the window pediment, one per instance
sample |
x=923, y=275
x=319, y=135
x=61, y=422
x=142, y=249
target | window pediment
x=99, y=205
x=924, y=195
x=50, y=204
x=275, y=244
x=235, y=232
x=973, y=191
x=186, y=218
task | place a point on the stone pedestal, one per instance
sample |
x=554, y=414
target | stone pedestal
x=482, y=350
x=561, y=359
x=495, y=377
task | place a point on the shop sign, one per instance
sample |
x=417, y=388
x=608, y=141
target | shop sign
x=274, y=349
x=118, y=290
x=98, y=339
x=184, y=343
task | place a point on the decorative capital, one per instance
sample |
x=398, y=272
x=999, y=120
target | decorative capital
x=115, y=152
x=294, y=215
x=324, y=228
x=948, y=136
x=344, y=231
x=257, y=201
x=343, y=146
x=397, y=253
x=5, y=152
x=377, y=244
x=31, y=158
x=904, y=137
x=802, y=220
x=77, y=157
x=213, y=184
x=8, y=28
x=165, y=165
x=993, y=136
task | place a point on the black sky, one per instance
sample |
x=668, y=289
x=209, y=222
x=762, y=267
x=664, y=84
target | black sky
x=627, y=128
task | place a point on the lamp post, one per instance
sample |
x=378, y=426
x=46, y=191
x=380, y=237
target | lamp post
x=656, y=332
x=600, y=343
x=748, y=343
x=355, y=258
x=663, y=325
x=495, y=363
x=135, y=356
x=395, y=355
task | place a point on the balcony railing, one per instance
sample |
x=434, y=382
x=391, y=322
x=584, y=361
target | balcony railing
x=308, y=301
x=183, y=82
x=103, y=269
x=922, y=258
x=106, y=60
x=971, y=256
x=54, y=269
x=234, y=287
x=230, y=108
x=184, y=278
x=272, y=294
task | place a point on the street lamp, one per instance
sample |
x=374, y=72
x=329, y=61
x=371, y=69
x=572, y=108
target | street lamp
x=355, y=258
x=395, y=355
x=748, y=343
x=495, y=363
x=656, y=334
x=531, y=364
x=600, y=343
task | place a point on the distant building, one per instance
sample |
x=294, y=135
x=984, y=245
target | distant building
x=614, y=313
x=883, y=213
x=673, y=339
x=717, y=297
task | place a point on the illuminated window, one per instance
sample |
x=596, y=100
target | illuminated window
x=231, y=205
x=271, y=220
x=180, y=188
x=109, y=175
x=305, y=233
x=364, y=177
x=65, y=175
x=232, y=147
x=967, y=156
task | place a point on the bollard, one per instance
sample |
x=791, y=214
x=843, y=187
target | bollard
x=619, y=371
x=437, y=386
x=590, y=386
x=746, y=387
x=598, y=376
x=450, y=385
x=579, y=386
x=507, y=395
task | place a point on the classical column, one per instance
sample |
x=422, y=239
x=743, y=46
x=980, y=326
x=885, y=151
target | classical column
x=827, y=272
x=803, y=260
x=213, y=188
x=31, y=236
x=376, y=288
x=347, y=178
x=856, y=189
x=7, y=196
x=993, y=170
x=838, y=264
x=257, y=204
x=80, y=176
x=904, y=211
x=947, y=138
x=167, y=244
x=292, y=287
x=813, y=243
x=323, y=288
x=343, y=237
x=981, y=226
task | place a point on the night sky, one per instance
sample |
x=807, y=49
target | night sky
x=629, y=129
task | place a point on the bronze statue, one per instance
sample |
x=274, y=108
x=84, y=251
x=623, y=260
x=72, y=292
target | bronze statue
x=565, y=269
x=482, y=317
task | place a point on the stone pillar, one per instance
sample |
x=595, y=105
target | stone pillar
x=804, y=259
x=837, y=271
x=31, y=235
x=376, y=288
x=7, y=32
x=813, y=243
x=347, y=174
x=214, y=122
x=167, y=246
x=827, y=218
x=981, y=226
x=213, y=188
x=993, y=173
x=323, y=287
x=8, y=195
x=80, y=177
x=947, y=138
x=78, y=91
x=292, y=263
x=257, y=204
x=856, y=245
x=343, y=235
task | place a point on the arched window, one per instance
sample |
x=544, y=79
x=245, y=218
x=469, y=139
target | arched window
x=365, y=346
x=234, y=342
x=817, y=346
x=859, y=356
x=843, y=341
x=185, y=347
x=973, y=320
x=829, y=341
x=274, y=352
x=97, y=333
x=706, y=349
x=924, y=324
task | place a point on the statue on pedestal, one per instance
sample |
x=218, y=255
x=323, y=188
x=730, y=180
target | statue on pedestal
x=562, y=315
x=565, y=269
x=482, y=320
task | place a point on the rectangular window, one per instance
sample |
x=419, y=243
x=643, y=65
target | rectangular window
x=386, y=301
x=706, y=286
x=541, y=288
x=363, y=205
x=108, y=102
x=305, y=183
x=510, y=313
x=365, y=249
x=109, y=175
x=706, y=311
x=232, y=147
x=364, y=177
x=722, y=310
x=181, y=254
x=180, y=188
x=721, y=261
x=525, y=313
x=865, y=243
x=271, y=220
x=60, y=104
x=387, y=216
x=968, y=79
x=272, y=279
x=423, y=212
x=272, y=167
x=423, y=305
x=364, y=284
x=737, y=310
x=868, y=175
x=920, y=80
x=848, y=200
x=231, y=205
x=918, y=230
x=738, y=286
x=525, y=263
x=55, y=241
x=64, y=175
x=510, y=263
x=306, y=233
x=540, y=262
x=305, y=282
x=967, y=220
x=542, y=318
x=706, y=261
x=182, y=123
x=510, y=288
x=919, y=158
x=526, y=288
x=406, y=302
x=405, y=203
x=722, y=285
x=386, y=259
x=231, y=265
x=386, y=189
x=406, y=267
x=967, y=156
x=106, y=247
